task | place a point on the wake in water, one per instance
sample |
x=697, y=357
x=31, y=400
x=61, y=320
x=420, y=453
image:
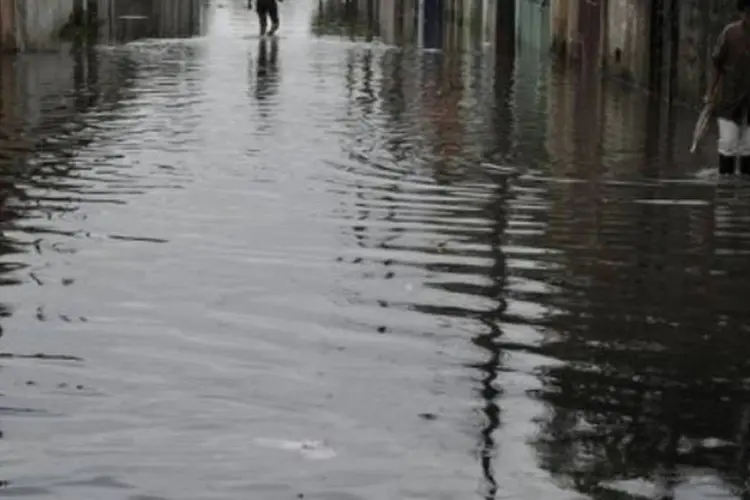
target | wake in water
x=708, y=173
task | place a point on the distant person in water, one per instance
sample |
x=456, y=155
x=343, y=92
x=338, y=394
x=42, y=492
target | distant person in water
x=266, y=9
x=730, y=92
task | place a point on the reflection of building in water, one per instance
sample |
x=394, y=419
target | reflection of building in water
x=460, y=23
x=445, y=110
x=351, y=18
x=651, y=372
x=439, y=23
x=398, y=20
x=44, y=99
x=131, y=19
x=464, y=140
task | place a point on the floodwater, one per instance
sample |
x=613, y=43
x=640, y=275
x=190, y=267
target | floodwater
x=329, y=267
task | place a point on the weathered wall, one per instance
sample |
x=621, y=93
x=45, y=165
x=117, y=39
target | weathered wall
x=389, y=15
x=693, y=47
x=559, y=20
x=700, y=23
x=176, y=18
x=38, y=24
x=627, y=39
x=533, y=23
x=661, y=44
x=576, y=28
x=124, y=20
x=8, y=40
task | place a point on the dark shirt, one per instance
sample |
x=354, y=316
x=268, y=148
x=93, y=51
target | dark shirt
x=731, y=57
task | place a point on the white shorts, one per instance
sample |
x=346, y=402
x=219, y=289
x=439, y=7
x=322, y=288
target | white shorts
x=734, y=140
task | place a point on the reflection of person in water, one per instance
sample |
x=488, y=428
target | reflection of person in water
x=266, y=9
x=266, y=78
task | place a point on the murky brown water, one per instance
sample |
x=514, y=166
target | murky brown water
x=335, y=268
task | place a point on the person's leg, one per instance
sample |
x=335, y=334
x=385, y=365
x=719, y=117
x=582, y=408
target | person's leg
x=262, y=17
x=273, y=13
x=729, y=138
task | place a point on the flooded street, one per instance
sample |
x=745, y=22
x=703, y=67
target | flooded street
x=332, y=267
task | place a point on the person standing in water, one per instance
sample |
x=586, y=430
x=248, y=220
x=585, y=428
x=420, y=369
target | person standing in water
x=730, y=93
x=266, y=9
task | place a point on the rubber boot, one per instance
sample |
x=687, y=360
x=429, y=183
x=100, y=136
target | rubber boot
x=727, y=164
x=745, y=165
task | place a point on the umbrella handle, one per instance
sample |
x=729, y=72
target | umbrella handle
x=711, y=96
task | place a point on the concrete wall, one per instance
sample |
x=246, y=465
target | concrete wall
x=8, y=39
x=644, y=41
x=31, y=24
x=397, y=20
x=39, y=23
x=627, y=39
x=176, y=18
x=533, y=23
x=700, y=23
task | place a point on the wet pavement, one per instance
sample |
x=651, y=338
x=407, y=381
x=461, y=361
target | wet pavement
x=329, y=267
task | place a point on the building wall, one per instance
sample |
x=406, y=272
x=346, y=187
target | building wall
x=700, y=23
x=176, y=18
x=533, y=23
x=627, y=39
x=562, y=24
x=38, y=23
x=33, y=25
x=660, y=44
x=8, y=39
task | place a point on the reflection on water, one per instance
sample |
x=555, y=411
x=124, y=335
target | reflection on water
x=128, y=20
x=323, y=266
x=267, y=71
x=353, y=19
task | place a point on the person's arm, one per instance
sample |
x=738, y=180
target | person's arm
x=719, y=57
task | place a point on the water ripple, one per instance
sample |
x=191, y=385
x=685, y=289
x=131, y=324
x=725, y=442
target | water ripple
x=398, y=273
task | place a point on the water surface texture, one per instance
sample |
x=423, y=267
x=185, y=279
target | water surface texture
x=331, y=267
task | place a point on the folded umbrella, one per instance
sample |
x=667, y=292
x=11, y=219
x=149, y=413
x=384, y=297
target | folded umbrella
x=701, y=126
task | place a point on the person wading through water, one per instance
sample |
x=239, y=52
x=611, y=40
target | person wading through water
x=730, y=92
x=266, y=9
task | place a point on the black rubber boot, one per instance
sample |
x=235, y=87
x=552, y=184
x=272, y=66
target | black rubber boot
x=727, y=164
x=745, y=165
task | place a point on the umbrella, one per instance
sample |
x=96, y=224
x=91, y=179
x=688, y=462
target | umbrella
x=701, y=126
